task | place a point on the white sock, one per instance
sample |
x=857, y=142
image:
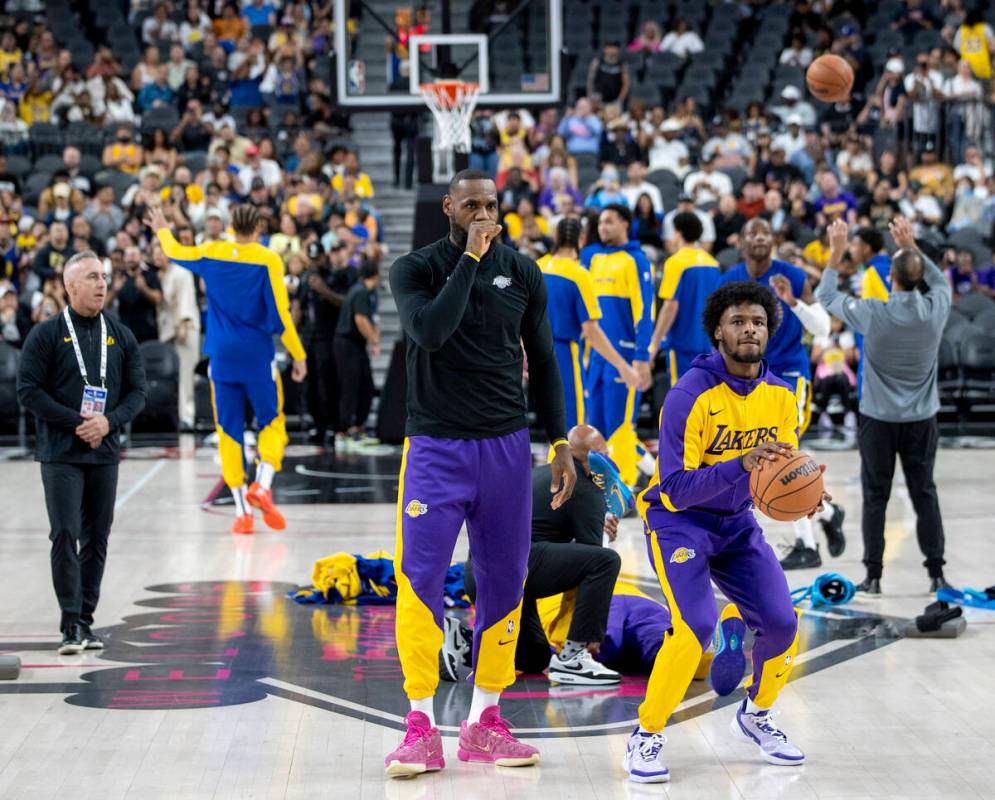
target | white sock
x=241, y=507
x=482, y=699
x=426, y=706
x=827, y=512
x=803, y=531
x=753, y=708
x=264, y=474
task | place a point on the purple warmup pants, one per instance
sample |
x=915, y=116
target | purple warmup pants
x=695, y=549
x=488, y=484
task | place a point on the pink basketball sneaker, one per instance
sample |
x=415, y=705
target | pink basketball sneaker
x=490, y=740
x=421, y=750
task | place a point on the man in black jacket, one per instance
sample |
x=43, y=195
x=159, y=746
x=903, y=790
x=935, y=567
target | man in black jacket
x=81, y=375
x=469, y=306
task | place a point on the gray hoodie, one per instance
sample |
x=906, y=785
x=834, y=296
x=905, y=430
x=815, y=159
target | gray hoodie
x=901, y=342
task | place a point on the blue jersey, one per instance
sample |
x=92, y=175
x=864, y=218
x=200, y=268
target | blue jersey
x=571, y=300
x=247, y=304
x=785, y=352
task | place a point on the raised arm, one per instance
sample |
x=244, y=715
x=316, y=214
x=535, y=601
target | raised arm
x=940, y=292
x=856, y=313
x=183, y=255
x=291, y=340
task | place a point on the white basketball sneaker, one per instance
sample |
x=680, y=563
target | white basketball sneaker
x=760, y=729
x=644, y=758
x=581, y=670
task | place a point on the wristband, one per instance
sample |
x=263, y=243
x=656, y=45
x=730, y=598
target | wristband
x=558, y=442
x=474, y=257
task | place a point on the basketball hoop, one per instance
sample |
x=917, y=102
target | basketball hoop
x=452, y=104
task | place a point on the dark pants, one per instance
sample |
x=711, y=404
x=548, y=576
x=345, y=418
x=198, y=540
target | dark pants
x=404, y=142
x=915, y=444
x=355, y=382
x=80, y=503
x=824, y=389
x=323, y=386
x=557, y=568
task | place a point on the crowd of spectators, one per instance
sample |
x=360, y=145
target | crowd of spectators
x=916, y=141
x=229, y=103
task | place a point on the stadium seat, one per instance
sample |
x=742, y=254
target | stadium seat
x=37, y=183
x=11, y=413
x=971, y=305
x=728, y=257
x=977, y=363
x=18, y=165
x=948, y=372
x=88, y=138
x=165, y=117
x=162, y=368
x=45, y=138
x=90, y=165
x=121, y=181
x=737, y=175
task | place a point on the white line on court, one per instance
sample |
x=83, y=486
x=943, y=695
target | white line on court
x=158, y=465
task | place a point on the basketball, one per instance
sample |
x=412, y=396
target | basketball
x=789, y=488
x=830, y=79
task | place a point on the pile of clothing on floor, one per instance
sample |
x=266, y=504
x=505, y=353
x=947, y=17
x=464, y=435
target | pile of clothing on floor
x=357, y=580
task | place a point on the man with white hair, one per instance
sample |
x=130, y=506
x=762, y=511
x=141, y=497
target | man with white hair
x=81, y=375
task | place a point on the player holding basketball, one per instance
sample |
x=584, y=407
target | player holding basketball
x=467, y=305
x=726, y=416
x=574, y=314
x=246, y=304
x=789, y=360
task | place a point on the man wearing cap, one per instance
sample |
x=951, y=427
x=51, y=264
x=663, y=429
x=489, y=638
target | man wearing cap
x=707, y=184
x=668, y=151
x=727, y=148
x=792, y=140
x=259, y=168
x=936, y=177
x=325, y=286
x=791, y=104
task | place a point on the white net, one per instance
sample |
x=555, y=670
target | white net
x=452, y=104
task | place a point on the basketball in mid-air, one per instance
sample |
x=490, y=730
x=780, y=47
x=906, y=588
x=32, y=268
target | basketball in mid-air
x=829, y=79
x=789, y=488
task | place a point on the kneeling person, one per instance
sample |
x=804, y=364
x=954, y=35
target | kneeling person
x=566, y=554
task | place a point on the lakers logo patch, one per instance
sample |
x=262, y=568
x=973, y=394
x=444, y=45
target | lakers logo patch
x=681, y=554
x=111, y=340
x=502, y=281
x=416, y=508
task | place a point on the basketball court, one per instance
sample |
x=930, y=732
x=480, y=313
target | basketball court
x=214, y=684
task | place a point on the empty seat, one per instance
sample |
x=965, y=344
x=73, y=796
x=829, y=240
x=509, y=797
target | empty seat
x=971, y=305
x=162, y=370
x=977, y=363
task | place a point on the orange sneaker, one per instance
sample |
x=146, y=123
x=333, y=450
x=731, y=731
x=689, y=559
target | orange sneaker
x=261, y=498
x=243, y=524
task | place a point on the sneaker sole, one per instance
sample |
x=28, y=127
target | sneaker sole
x=486, y=758
x=94, y=646
x=571, y=679
x=738, y=733
x=635, y=777
x=274, y=519
x=399, y=769
x=71, y=649
x=729, y=663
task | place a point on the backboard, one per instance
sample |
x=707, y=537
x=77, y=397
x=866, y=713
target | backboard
x=510, y=47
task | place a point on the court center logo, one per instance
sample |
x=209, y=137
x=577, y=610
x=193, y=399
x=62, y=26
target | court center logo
x=223, y=643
